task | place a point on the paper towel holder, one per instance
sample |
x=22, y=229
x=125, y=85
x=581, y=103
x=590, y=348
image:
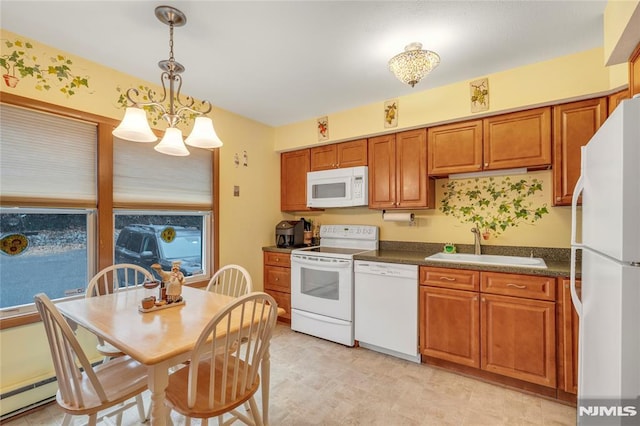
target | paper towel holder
x=408, y=217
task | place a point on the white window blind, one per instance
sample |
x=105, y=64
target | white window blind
x=143, y=175
x=46, y=156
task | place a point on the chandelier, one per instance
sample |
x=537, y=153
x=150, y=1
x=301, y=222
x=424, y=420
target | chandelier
x=413, y=64
x=135, y=127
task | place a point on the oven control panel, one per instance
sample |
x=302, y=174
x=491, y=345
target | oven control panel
x=356, y=232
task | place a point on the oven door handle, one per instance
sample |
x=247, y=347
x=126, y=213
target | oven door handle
x=321, y=262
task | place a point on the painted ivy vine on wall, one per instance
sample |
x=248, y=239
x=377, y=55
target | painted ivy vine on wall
x=21, y=62
x=493, y=205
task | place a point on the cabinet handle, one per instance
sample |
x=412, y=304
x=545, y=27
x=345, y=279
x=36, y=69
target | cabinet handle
x=475, y=298
x=484, y=300
x=516, y=285
x=277, y=279
x=486, y=164
x=277, y=259
x=447, y=278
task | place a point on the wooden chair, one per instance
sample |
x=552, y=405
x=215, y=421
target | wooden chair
x=214, y=385
x=82, y=388
x=114, y=278
x=120, y=277
x=232, y=280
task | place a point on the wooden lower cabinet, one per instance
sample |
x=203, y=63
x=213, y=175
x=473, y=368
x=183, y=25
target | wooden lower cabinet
x=503, y=325
x=518, y=338
x=277, y=280
x=567, y=338
x=450, y=328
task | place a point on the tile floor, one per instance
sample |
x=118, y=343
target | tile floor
x=315, y=382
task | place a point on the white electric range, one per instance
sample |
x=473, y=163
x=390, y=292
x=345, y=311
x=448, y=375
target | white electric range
x=322, y=282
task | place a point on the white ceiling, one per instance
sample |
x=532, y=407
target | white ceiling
x=287, y=61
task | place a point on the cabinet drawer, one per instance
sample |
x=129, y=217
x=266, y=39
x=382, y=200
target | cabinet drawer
x=528, y=286
x=284, y=301
x=459, y=279
x=278, y=279
x=277, y=259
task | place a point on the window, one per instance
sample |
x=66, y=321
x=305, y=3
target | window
x=145, y=238
x=43, y=250
x=48, y=161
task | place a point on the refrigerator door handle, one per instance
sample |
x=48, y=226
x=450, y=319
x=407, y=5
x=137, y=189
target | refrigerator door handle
x=575, y=246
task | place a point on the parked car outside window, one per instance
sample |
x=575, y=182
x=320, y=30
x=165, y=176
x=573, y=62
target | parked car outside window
x=145, y=245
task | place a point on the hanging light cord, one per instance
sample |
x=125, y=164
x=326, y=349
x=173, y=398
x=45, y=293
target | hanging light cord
x=171, y=72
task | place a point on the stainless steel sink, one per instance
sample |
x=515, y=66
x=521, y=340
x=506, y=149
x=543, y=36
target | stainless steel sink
x=489, y=259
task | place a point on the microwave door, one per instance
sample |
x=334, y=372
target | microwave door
x=330, y=192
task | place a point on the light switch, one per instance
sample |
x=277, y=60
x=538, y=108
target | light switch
x=236, y=191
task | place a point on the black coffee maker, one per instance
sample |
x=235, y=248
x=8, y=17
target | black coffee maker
x=290, y=233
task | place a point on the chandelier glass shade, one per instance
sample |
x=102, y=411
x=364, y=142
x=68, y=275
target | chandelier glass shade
x=135, y=126
x=413, y=64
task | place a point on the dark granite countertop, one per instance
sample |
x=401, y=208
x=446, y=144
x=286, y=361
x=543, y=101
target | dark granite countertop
x=557, y=260
x=277, y=249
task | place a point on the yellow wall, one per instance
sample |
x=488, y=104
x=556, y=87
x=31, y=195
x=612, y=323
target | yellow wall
x=246, y=222
x=565, y=78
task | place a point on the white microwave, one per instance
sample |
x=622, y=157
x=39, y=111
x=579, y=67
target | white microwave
x=346, y=187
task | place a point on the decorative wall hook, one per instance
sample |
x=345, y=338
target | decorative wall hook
x=245, y=159
x=236, y=159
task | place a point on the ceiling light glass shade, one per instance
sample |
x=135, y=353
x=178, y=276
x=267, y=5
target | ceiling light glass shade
x=203, y=134
x=172, y=143
x=135, y=127
x=413, y=64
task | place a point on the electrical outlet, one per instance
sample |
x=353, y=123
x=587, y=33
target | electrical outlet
x=236, y=191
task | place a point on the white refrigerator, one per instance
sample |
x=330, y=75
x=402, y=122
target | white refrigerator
x=609, y=307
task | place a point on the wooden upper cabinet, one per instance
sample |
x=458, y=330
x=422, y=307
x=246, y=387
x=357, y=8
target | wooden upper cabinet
x=455, y=148
x=382, y=171
x=339, y=155
x=519, y=139
x=614, y=100
x=634, y=72
x=574, y=124
x=294, y=166
x=398, y=171
x=413, y=186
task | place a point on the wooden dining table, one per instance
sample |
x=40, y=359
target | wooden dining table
x=159, y=339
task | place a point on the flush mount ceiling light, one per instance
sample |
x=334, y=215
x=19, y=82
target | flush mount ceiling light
x=413, y=64
x=135, y=127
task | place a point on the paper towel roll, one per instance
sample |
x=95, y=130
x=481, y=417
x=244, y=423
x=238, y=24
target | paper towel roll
x=397, y=217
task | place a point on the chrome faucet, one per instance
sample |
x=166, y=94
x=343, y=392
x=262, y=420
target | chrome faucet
x=476, y=238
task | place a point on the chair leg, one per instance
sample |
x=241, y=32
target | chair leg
x=68, y=418
x=93, y=420
x=140, y=405
x=255, y=413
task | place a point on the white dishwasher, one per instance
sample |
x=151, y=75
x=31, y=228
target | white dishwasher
x=386, y=308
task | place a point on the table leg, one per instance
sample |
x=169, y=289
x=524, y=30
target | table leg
x=158, y=382
x=265, y=371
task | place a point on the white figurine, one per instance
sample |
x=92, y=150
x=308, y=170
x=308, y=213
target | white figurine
x=173, y=281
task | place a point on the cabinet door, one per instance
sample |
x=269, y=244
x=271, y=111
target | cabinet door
x=614, y=100
x=413, y=187
x=449, y=327
x=574, y=124
x=518, y=338
x=634, y=71
x=352, y=154
x=324, y=157
x=568, y=339
x=382, y=171
x=294, y=166
x=455, y=148
x=519, y=139
x=284, y=301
